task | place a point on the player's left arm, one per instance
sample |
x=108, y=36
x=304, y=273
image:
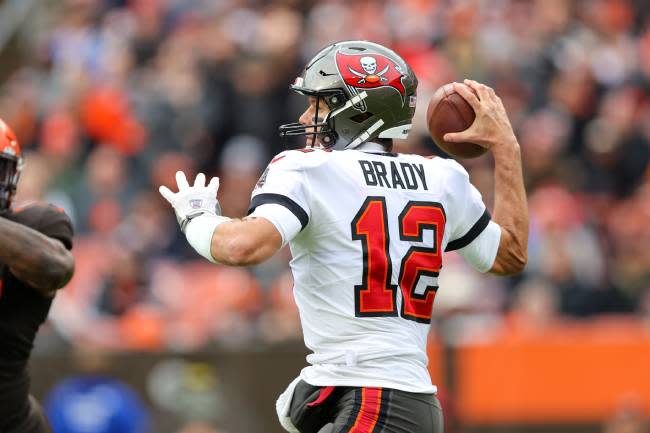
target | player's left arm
x=243, y=242
x=41, y=261
x=235, y=242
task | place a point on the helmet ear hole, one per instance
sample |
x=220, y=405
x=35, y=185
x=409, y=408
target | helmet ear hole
x=329, y=139
x=335, y=101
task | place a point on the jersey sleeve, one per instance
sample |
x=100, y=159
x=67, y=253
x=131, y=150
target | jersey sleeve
x=481, y=252
x=281, y=217
x=469, y=215
x=48, y=220
x=472, y=232
x=282, y=184
x=56, y=224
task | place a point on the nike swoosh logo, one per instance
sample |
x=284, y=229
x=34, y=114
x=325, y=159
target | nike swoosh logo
x=325, y=74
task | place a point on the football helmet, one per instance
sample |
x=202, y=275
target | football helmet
x=11, y=164
x=369, y=89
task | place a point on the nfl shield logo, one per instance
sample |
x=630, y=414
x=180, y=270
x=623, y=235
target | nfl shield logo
x=196, y=203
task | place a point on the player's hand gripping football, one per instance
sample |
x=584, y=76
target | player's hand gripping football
x=191, y=201
x=491, y=128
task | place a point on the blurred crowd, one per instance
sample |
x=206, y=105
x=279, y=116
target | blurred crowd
x=113, y=96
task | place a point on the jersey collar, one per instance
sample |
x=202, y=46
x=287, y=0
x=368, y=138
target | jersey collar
x=374, y=148
x=371, y=147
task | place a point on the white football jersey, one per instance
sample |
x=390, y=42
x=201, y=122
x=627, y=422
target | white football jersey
x=367, y=232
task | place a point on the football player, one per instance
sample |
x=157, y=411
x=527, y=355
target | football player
x=367, y=230
x=35, y=261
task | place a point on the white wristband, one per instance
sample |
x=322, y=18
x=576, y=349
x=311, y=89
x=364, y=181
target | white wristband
x=199, y=233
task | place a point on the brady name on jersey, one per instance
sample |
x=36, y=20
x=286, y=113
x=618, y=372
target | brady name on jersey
x=404, y=176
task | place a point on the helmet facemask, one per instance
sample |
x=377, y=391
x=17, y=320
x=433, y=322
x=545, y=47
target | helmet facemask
x=322, y=128
x=10, y=169
x=341, y=112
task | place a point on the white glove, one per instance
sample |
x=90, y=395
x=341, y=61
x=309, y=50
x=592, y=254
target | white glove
x=192, y=201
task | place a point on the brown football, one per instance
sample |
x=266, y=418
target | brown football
x=449, y=112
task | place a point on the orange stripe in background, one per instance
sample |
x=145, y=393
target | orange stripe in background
x=369, y=411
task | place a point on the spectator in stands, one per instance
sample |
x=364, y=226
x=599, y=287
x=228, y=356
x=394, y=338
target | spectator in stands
x=114, y=95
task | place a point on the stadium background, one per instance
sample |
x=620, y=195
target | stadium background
x=109, y=98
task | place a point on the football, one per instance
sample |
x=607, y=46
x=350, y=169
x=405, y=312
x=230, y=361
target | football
x=449, y=112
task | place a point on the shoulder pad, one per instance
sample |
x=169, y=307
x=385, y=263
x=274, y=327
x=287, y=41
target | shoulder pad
x=33, y=210
x=46, y=218
x=448, y=164
x=453, y=166
x=301, y=158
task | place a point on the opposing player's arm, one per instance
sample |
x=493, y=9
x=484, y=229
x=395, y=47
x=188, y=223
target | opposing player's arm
x=34, y=258
x=492, y=129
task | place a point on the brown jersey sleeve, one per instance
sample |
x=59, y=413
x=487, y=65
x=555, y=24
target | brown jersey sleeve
x=47, y=219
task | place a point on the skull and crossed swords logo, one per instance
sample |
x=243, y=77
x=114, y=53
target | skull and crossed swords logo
x=371, y=76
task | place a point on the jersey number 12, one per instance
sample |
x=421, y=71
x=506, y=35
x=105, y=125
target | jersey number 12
x=376, y=295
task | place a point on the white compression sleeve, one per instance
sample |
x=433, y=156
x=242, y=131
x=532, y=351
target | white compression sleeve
x=199, y=233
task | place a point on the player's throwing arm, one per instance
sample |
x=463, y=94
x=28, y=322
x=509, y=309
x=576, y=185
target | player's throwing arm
x=492, y=129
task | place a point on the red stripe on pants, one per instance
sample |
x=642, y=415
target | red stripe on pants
x=322, y=396
x=369, y=412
